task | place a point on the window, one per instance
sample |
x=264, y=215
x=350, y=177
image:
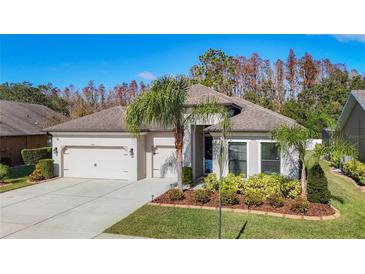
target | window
x=237, y=156
x=270, y=158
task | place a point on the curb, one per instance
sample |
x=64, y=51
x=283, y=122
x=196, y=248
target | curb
x=258, y=212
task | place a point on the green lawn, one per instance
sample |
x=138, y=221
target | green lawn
x=18, y=177
x=164, y=222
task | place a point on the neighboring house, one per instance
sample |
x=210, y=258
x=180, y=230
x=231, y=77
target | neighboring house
x=351, y=123
x=21, y=127
x=100, y=146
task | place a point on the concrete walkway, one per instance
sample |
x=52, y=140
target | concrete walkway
x=73, y=207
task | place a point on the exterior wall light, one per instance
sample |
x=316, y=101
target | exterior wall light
x=55, y=150
x=131, y=152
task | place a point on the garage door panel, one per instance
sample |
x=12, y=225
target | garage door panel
x=103, y=163
x=164, y=162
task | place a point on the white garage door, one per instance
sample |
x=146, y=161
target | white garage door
x=101, y=162
x=164, y=162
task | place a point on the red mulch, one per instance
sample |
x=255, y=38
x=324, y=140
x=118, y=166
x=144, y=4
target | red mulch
x=4, y=184
x=314, y=209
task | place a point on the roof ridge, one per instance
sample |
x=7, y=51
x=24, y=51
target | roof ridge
x=24, y=103
x=251, y=104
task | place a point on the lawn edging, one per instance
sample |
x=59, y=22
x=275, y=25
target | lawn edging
x=259, y=212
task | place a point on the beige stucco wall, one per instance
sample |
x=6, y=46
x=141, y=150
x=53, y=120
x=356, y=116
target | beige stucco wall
x=289, y=165
x=141, y=157
x=152, y=140
x=354, y=129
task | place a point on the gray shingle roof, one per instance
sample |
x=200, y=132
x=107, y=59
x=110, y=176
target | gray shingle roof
x=255, y=118
x=360, y=97
x=251, y=118
x=356, y=96
x=19, y=119
x=111, y=120
x=199, y=93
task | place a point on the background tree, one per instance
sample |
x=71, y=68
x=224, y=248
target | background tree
x=216, y=70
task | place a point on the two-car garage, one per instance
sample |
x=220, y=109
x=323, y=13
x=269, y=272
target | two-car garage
x=114, y=157
x=100, y=146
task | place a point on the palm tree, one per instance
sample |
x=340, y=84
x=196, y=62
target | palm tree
x=294, y=138
x=164, y=104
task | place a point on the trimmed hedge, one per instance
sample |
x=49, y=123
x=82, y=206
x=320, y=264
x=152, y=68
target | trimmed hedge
x=32, y=156
x=318, y=186
x=47, y=170
x=187, y=175
x=4, y=171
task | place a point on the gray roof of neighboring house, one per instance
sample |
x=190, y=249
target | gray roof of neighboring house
x=20, y=119
x=356, y=96
x=251, y=118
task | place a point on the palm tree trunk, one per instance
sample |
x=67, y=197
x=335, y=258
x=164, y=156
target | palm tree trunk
x=303, y=180
x=179, y=156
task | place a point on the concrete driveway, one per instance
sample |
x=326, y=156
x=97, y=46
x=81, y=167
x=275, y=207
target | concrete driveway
x=73, y=207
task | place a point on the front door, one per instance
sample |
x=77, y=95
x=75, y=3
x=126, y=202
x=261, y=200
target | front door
x=208, y=155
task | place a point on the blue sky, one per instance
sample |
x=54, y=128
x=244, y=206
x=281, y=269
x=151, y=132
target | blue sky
x=111, y=59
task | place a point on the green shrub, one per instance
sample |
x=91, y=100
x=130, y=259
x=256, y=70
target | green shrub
x=229, y=197
x=355, y=170
x=318, y=186
x=175, y=194
x=290, y=188
x=264, y=184
x=201, y=196
x=4, y=171
x=253, y=198
x=338, y=148
x=211, y=182
x=36, y=175
x=229, y=182
x=232, y=182
x=32, y=156
x=187, y=175
x=47, y=169
x=276, y=200
x=300, y=205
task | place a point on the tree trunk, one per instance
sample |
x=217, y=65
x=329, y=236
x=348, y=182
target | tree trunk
x=179, y=156
x=303, y=180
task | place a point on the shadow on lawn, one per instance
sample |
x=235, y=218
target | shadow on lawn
x=338, y=199
x=242, y=230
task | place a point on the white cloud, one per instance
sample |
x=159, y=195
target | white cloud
x=146, y=75
x=350, y=37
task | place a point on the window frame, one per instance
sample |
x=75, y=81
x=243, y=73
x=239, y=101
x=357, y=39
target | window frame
x=260, y=155
x=247, y=154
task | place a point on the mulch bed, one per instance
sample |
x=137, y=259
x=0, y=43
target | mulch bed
x=314, y=209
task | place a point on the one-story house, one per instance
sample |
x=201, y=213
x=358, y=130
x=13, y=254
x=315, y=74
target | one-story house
x=21, y=127
x=351, y=123
x=100, y=146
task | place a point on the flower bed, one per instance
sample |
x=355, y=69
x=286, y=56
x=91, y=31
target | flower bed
x=355, y=170
x=314, y=209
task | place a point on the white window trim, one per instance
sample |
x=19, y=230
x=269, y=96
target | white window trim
x=247, y=154
x=259, y=154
